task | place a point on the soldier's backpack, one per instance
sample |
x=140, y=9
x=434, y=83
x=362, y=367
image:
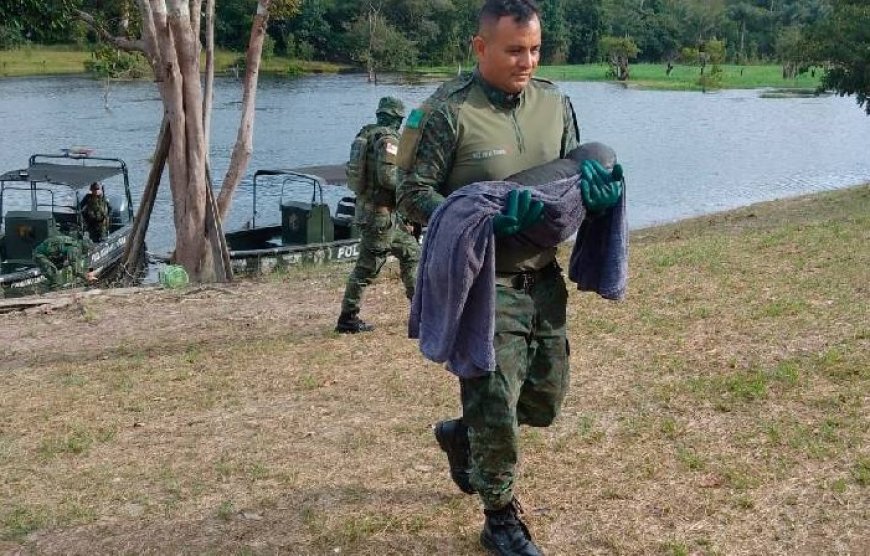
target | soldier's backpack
x=357, y=173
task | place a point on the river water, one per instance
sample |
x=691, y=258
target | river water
x=685, y=153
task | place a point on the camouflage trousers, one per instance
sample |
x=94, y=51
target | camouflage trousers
x=528, y=385
x=380, y=236
x=66, y=275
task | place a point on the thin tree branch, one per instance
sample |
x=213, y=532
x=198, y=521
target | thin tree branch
x=208, y=93
x=121, y=43
x=244, y=140
x=149, y=36
x=195, y=20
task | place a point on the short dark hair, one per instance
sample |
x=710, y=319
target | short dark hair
x=521, y=10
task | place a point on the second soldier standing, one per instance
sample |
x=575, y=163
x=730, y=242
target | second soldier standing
x=374, y=175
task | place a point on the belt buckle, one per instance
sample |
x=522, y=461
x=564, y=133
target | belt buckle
x=524, y=281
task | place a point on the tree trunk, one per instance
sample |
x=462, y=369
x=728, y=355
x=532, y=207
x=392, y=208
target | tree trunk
x=244, y=140
x=182, y=100
x=170, y=41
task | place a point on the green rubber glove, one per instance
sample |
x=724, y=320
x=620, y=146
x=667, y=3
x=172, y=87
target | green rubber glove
x=519, y=213
x=600, y=189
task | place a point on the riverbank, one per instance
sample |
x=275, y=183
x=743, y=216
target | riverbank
x=682, y=78
x=720, y=409
x=42, y=60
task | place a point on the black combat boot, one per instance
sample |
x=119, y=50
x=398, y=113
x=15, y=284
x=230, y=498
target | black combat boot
x=505, y=534
x=452, y=436
x=350, y=323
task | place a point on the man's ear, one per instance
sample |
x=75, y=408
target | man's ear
x=478, y=43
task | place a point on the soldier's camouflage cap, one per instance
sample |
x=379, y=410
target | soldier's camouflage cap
x=391, y=106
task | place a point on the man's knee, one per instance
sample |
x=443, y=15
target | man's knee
x=540, y=404
x=540, y=417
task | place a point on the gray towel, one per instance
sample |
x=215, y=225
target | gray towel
x=453, y=310
x=599, y=260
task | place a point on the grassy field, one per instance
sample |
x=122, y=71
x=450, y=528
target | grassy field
x=721, y=409
x=652, y=76
x=40, y=60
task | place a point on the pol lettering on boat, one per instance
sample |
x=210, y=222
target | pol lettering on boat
x=348, y=251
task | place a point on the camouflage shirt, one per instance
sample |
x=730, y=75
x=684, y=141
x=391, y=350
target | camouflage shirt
x=381, y=170
x=62, y=259
x=96, y=210
x=469, y=131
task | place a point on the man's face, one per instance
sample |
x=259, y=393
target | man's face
x=508, y=52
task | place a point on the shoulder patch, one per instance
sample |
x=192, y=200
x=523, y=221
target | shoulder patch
x=415, y=118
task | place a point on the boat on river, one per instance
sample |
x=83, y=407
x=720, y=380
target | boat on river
x=46, y=198
x=306, y=231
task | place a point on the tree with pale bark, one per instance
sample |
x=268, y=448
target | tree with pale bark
x=169, y=40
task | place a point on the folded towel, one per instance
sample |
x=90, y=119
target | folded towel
x=453, y=310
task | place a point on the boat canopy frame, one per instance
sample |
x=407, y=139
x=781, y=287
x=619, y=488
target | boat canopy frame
x=305, y=175
x=44, y=168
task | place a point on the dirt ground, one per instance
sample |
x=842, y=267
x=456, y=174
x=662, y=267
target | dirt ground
x=721, y=409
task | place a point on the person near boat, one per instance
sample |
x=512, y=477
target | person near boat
x=373, y=175
x=63, y=260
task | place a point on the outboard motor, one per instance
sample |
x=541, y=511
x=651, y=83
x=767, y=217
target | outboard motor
x=345, y=228
x=118, y=215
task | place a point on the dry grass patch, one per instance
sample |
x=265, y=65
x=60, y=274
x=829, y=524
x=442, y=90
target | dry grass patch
x=721, y=409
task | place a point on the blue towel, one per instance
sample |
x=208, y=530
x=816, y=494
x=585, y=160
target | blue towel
x=453, y=310
x=599, y=260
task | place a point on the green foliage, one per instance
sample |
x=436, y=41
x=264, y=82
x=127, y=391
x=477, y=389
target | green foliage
x=689, y=56
x=380, y=46
x=716, y=51
x=618, y=51
x=555, y=39
x=841, y=42
x=107, y=61
x=282, y=9
x=233, y=20
x=268, y=51
x=585, y=28
x=305, y=50
x=37, y=20
x=790, y=51
x=10, y=37
x=712, y=52
x=437, y=32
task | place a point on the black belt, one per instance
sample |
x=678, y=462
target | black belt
x=525, y=280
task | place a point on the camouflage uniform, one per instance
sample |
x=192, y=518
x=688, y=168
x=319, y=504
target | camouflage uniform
x=63, y=260
x=469, y=131
x=382, y=232
x=96, y=215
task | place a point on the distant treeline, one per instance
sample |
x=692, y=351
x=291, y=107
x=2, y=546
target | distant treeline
x=392, y=34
